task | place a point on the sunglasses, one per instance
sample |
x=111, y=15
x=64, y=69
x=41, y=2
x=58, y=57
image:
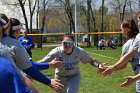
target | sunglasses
x=68, y=43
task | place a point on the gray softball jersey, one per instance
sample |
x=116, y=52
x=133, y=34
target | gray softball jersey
x=17, y=53
x=136, y=45
x=136, y=60
x=6, y=53
x=126, y=47
x=71, y=62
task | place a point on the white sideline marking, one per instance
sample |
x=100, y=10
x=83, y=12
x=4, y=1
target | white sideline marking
x=104, y=56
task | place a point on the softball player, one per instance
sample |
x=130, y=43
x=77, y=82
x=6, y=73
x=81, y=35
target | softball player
x=130, y=51
x=69, y=75
x=10, y=80
x=27, y=42
x=19, y=56
x=136, y=60
x=40, y=66
x=8, y=73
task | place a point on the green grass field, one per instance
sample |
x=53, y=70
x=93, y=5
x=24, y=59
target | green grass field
x=92, y=82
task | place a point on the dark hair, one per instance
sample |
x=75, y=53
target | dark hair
x=3, y=16
x=130, y=24
x=13, y=22
x=69, y=35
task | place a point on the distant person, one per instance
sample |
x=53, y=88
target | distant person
x=27, y=42
x=112, y=44
x=116, y=40
x=101, y=44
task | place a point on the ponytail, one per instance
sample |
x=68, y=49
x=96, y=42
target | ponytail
x=9, y=30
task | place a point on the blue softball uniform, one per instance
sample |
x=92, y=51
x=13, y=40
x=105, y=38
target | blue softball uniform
x=10, y=80
x=26, y=42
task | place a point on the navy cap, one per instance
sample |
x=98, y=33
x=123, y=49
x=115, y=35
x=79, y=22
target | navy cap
x=2, y=21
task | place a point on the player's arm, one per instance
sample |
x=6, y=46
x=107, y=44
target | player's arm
x=45, y=65
x=35, y=74
x=40, y=66
x=86, y=58
x=100, y=67
x=95, y=63
x=32, y=45
x=124, y=60
x=120, y=64
x=129, y=80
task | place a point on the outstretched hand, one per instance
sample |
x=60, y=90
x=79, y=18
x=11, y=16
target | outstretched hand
x=55, y=63
x=129, y=80
x=108, y=71
x=101, y=68
x=55, y=85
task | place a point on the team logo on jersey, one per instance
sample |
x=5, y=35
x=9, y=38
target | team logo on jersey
x=25, y=41
x=70, y=65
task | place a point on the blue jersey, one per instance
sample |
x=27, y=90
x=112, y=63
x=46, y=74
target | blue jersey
x=26, y=41
x=10, y=80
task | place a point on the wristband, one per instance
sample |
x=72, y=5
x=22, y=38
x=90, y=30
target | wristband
x=95, y=63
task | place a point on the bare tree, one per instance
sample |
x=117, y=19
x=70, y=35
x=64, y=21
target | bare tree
x=69, y=11
x=37, y=15
x=94, y=24
x=88, y=21
x=123, y=12
x=116, y=6
x=22, y=3
x=130, y=6
x=32, y=11
x=20, y=6
x=15, y=5
x=43, y=12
